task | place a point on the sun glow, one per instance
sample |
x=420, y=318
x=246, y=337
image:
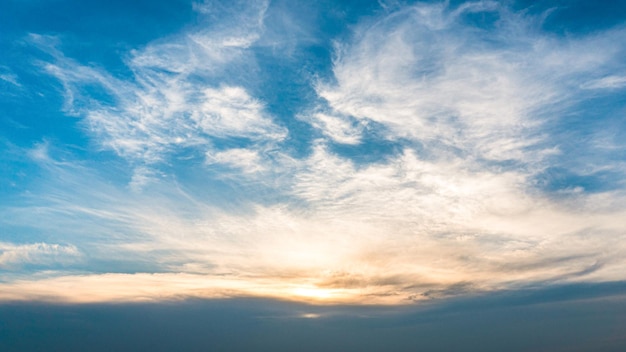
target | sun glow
x=310, y=316
x=313, y=292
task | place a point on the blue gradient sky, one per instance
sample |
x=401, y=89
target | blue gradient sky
x=350, y=152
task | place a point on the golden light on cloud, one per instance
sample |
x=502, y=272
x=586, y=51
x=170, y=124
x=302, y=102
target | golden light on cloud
x=163, y=287
x=320, y=294
x=307, y=257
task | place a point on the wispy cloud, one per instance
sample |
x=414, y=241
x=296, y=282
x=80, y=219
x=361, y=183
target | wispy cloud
x=10, y=78
x=609, y=82
x=429, y=75
x=17, y=255
x=177, y=97
x=7, y=75
x=339, y=129
x=387, y=233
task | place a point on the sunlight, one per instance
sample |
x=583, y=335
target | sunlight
x=314, y=294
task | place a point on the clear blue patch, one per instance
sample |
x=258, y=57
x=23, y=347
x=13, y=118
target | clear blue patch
x=590, y=137
x=368, y=151
x=576, y=17
x=485, y=20
x=557, y=179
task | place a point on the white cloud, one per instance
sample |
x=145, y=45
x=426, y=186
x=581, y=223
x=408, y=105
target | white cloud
x=339, y=129
x=142, y=176
x=246, y=160
x=609, y=82
x=427, y=75
x=16, y=255
x=379, y=233
x=230, y=111
x=176, y=97
x=7, y=75
x=10, y=78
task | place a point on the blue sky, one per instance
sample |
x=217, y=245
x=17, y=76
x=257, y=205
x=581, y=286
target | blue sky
x=381, y=152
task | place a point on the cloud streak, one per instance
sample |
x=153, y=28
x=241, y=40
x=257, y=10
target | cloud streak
x=15, y=255
x=176, y=98
x=429, y=76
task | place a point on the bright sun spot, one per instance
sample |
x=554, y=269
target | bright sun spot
x=313, y=293
x=310, y=316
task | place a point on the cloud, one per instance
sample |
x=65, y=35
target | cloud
x=427, y=74
x=176, y=97
x=160, y=287
x=609, y=82
x=230, y=111
x=7, y=75
x=407, y=229
x=474, y=220
x=11, y=78
x=244, y=159
x=339, y=129
x=17, y=255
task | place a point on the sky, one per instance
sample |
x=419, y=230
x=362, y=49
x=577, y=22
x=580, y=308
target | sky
x=381, y=153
